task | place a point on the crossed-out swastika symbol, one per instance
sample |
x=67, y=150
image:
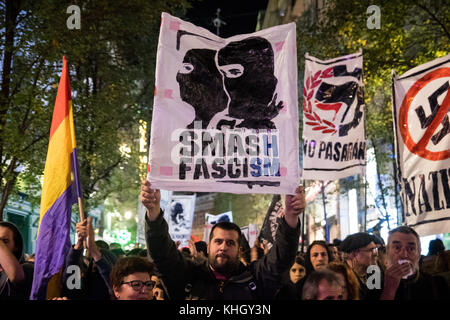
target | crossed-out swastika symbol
x=426, y=121
x=429, y=123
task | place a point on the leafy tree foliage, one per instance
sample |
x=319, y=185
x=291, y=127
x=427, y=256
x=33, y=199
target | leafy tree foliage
x=411, y=32
x=111, y=60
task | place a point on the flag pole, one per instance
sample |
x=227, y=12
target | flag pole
x=303, y=219
x=74, y=158
x=80, y=209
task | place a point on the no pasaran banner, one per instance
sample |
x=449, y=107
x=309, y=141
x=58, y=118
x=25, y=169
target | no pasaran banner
x=334, y=144
x=421, y=115
x=225, y=115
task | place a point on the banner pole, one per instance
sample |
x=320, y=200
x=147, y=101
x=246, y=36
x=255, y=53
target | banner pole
x=303, y=221
x=327, y=232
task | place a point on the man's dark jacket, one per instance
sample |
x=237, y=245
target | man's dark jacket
x=94, y=283
x=425, y=287
x=187, y=280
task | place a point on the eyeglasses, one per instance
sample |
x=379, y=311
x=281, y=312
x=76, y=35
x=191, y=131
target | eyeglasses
x=138, y=284
x=373, y=250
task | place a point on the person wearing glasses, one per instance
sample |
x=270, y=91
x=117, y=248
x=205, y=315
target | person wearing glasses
x=403, y=279
x=361, y=253
x=131, y=279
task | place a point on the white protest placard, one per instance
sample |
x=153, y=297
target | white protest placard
x=421, y=104
x=334, y=144
x=212, y=219
x=179, y=217
x=225, y=114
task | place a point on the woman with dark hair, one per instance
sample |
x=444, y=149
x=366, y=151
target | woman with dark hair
x=317, y=257
x=295, y=273
x=131, y=279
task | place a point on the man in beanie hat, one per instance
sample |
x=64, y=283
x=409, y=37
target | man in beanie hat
x=361, y=253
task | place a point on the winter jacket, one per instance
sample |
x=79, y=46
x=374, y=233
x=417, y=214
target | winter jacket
x=94, y=283
x=426, y=287
x=187, y=280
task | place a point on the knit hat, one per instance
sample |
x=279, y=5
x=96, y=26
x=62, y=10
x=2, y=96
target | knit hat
x=356, y=241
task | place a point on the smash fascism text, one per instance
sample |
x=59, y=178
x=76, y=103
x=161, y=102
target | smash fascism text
x=236, y=153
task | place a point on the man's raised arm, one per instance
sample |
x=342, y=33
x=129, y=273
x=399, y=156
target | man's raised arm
x=294, y=206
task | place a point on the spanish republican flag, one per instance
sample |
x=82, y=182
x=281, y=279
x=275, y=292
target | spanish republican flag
x=53, y=241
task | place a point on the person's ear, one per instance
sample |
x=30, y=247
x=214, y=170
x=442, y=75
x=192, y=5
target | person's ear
x=116, y=292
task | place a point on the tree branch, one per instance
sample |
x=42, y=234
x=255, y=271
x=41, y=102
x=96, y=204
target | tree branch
x=9, y=184
x=105, y=174
x=433, y=16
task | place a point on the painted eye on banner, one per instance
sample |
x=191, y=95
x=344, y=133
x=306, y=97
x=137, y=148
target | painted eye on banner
x=186, y=68
x=232, y=70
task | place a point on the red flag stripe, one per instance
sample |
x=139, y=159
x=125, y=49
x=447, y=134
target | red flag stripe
x=62, y=99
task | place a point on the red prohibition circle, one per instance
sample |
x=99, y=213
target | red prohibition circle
x=419, y=148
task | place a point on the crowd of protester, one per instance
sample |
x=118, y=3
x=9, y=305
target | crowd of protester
x=360, y=267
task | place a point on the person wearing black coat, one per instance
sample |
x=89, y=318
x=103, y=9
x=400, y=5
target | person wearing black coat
x=224, y=277
x=317, y=256
x=403, y=279
x=94, y=277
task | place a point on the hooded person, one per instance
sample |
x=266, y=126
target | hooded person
x=16, y=275
x=201, y=85
x=295, y=274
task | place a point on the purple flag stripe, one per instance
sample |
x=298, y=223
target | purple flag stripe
x=76, y=173
x=53, y=243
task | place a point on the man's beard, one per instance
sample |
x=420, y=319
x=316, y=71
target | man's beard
x=224, y=268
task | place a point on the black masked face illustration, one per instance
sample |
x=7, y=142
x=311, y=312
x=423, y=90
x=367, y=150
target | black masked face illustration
x=248, y=69
x=201, y=85
x=177, y=212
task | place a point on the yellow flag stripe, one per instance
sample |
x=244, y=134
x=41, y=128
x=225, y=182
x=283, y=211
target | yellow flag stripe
x=72, y=129
x=57, y=173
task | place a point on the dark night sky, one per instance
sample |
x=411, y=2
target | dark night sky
x=240, y=16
